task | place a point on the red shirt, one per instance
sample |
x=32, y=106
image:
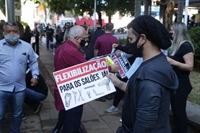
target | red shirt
x=104, y=43
x=66, y=55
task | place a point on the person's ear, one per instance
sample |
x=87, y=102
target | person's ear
x=143, y=39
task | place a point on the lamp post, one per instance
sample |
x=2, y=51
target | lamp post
x=95, y=6
x=186, y=12
x=10, y=14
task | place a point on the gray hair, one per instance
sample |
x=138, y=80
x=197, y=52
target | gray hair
x=10, y=24
x=180, y=34
x=75, y=31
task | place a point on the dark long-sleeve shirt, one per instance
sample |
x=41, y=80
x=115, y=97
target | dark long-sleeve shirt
x=66, y=55
x=146, y=105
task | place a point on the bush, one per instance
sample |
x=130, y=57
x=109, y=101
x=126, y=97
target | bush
x=122, y=41
x=195, y=38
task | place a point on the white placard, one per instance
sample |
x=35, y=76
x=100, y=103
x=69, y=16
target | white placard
x=83, y=83
x=122, y=62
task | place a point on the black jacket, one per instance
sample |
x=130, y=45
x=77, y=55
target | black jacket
x=94, y=37
x=146, y=105
x=40, y=87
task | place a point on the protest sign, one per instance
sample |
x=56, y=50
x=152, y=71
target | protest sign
x=84, y=82
x=122, y=62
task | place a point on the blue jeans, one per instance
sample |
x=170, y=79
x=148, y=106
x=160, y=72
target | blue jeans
x=16, y=100
x=33, y=98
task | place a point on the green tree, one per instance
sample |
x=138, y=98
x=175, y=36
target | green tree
x=81, y=6
x=2, y=5
x=78, y=7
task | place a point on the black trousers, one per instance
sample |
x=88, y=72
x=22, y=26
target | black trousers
x=119, y=94
x=70, y=120
x=36, y=47
x=178, y=104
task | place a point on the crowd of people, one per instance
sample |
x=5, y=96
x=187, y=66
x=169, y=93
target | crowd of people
x=158, y=81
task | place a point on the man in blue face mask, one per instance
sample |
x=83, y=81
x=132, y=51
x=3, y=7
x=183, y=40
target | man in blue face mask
x=11, y=34
x=14, y=55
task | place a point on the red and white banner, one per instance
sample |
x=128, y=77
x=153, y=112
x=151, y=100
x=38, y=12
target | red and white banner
x=84, y=82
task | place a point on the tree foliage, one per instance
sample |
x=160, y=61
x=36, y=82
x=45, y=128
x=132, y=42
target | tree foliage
x=81, y=6
x=2, y=5
x=78, y=7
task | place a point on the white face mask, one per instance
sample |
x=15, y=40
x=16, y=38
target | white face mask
x=12, y=39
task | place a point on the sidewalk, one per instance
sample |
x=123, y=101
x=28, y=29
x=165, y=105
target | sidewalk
x=95, y=119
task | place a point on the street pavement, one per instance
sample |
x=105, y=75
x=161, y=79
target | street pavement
x=94, y=118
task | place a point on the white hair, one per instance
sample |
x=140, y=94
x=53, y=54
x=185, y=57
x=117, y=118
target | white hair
x=75, y=31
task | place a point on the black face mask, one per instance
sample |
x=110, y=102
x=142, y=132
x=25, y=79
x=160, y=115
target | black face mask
x=136, y=52
x=82, y=43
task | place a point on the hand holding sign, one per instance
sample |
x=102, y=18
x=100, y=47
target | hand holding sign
x=81, y=83
x=114, y=68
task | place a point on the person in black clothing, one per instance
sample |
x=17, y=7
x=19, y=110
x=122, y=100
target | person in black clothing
x=94, y=37
x=119, y=94
x=49, y=35
x=27, y=34
x=58, y=37
x=35, y=45
x=148, y=91
x=1, y=28
x=35, y=94
x=85, y=48
x=182, y=60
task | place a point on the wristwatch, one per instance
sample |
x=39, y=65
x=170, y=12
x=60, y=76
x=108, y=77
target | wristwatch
x=35, y=77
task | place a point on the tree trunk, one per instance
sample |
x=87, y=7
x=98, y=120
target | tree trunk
x=146, y=7
x=162, y=12
x=109, y=19
x=137, y=11
x=180, y=11
x=99, y=18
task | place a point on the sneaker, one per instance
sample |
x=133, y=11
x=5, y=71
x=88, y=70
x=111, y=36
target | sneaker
x=112, y=109
x=120, y=120
x=37, y=110
x=24, y=116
